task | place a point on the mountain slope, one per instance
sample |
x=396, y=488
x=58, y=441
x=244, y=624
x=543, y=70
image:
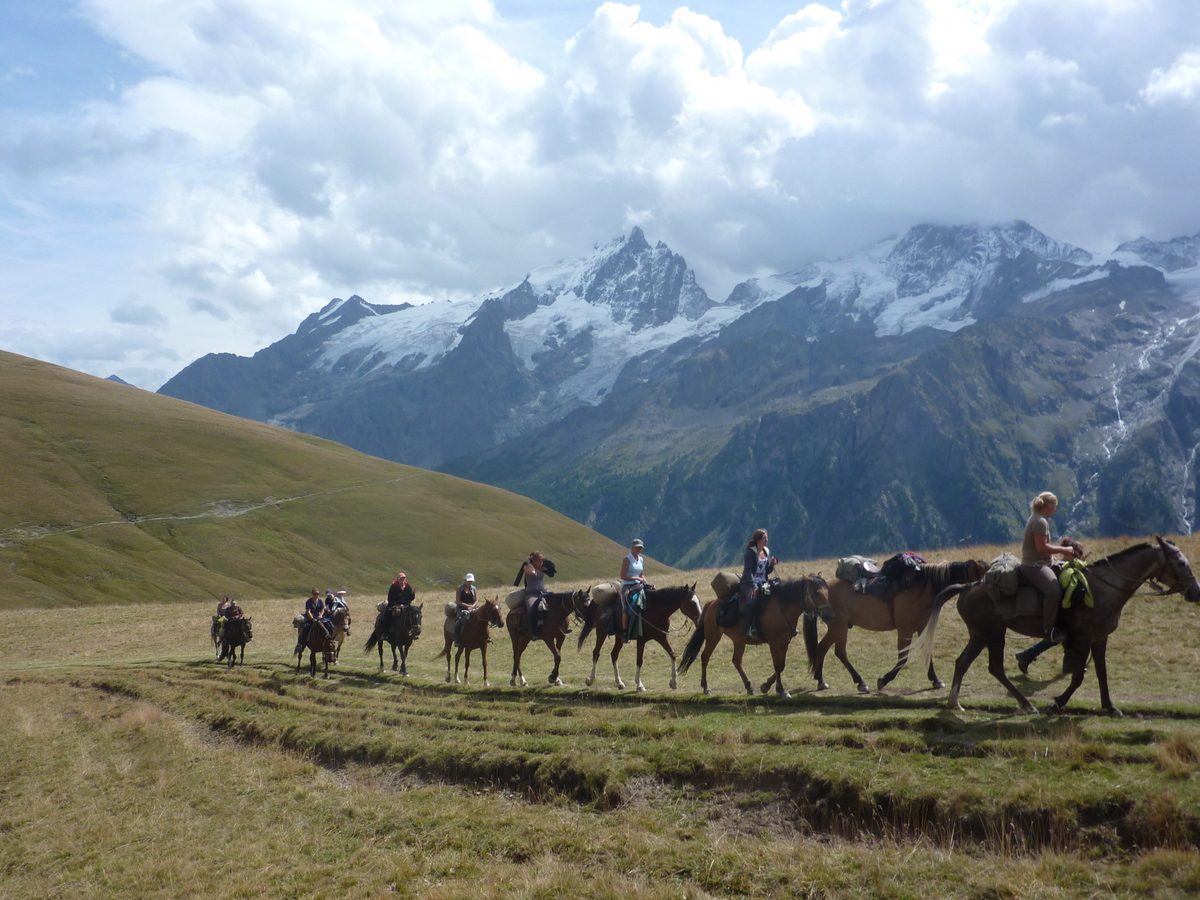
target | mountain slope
x=113, y=494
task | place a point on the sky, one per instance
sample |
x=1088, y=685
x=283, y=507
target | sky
x=180, y=177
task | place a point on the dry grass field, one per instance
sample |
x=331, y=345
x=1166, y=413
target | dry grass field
x=131, y=764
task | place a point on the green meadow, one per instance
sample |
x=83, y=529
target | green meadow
x=132, y=764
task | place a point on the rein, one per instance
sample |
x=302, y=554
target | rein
x=1132, y=584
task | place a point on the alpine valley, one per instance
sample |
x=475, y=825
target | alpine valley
x=914, y=395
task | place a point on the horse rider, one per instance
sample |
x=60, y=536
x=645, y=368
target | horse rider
x=231, y=612
x=1036, y=555
x=632, y=582
x=400, y=595
x=534, y=572
x=222, y=606
x=334, y=602
x=314, y=614
x=465, y=601
x=757, y=566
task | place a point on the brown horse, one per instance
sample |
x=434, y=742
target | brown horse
x=1113, y=580
x=235, y=635
x=778, y=616
x=474, y=637
x=906, y=614
x=559, y=608
x=318, y=641
x=661, y=604
x=399, y=626
x=341, y=628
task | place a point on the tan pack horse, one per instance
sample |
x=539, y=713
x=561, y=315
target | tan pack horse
x=560, y=607
x=907, y=614
x=661, y=604
x=341, y=628
x=778, y=617
x=474, y=637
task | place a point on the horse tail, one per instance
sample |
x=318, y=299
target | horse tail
x=372, y=641
x=810, y=642
x=692, y=650
x=445, y=653
x=589, y=622
x=920, y=649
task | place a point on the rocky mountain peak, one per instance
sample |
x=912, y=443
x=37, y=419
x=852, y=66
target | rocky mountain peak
x=1171, y=256
x=959, y=256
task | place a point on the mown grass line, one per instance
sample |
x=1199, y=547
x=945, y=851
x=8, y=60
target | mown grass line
x=901, y=774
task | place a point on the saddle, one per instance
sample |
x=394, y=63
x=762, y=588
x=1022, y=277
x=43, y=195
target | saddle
x=902, y=572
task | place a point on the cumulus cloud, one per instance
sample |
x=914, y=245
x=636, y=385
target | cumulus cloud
x=287, y=151
x=1179, y=82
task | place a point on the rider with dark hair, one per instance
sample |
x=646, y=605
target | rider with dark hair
x=400, y=594
x=465, y=600
x=314, y=614
x=757, y=565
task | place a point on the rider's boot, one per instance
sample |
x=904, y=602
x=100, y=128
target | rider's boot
x=750, y=630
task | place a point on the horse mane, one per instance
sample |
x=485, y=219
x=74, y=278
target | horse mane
x=1112, y=557
x=941, y=575
x=796, y=590
x=668, y=593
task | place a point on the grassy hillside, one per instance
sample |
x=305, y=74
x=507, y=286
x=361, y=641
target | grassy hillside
x=115, y=495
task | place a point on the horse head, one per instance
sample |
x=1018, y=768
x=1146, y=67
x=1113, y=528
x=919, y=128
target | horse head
x=247, y=630
x=490, y=612
x=1177, y=573
x=413, y=620
x=692, y=607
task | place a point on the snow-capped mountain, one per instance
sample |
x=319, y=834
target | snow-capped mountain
x=934, y=276
x=533, y=381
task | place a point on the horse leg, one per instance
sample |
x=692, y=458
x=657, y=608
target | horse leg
x=637, y=678
x=779, y=649
x=483, y=655
x=446, y=653
x=839, y=650
x=518, y=649
x=711, y=639
x=995, y=648
x=618, y=643
x=974, y=647
x=739, y=650
x=395, y=660
x=1079, y=669
x=554, y=679
x=600, y=636
x=819, y=661
x=666, y=645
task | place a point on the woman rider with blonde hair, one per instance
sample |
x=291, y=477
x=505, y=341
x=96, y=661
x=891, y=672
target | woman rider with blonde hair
x=1036, y=555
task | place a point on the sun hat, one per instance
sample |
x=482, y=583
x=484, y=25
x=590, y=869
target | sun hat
x=470, y=577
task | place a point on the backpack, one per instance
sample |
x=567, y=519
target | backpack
x=1000, y=580
x=852, y=568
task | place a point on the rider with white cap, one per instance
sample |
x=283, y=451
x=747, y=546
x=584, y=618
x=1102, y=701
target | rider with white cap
x=465, y=600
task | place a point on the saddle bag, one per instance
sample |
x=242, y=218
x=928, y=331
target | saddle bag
x=724, y=584
x=729, y=611
x=852, y=568
x=1001, y=580
x=451, y=610
x=515, y=599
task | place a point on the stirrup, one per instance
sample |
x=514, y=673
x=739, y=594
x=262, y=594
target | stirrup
x=1056, y=635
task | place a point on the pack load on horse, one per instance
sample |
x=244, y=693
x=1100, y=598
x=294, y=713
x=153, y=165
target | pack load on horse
x=781, y=610
x=898, y=597
x=559, y=607
x=649, y=622
x=1113, y=580
x=468, y=630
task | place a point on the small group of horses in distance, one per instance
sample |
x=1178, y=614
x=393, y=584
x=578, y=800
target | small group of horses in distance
x=799, y=605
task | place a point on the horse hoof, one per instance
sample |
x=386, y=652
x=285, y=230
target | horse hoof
x=1116, y=713
x=641, y=689
x=786, y=695
x=707, y=692
x=447, y=679
x=558, y=682
x=674, y=684
x=512, y=682
x=822, y=686
x=620, y=685
x=956, y=706
x=937, y=685
x=863, y=689
x=589, y=681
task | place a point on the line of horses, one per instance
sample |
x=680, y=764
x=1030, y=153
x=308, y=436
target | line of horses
x=797, y=605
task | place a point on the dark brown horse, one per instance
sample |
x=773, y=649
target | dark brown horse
x=318, y=641
x=474, y=637
x=399, y=626
x=235, y=635
x=559, y=608
x=906, y=614
x=1113, y=580
x=661, y=604
x=778, y=616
